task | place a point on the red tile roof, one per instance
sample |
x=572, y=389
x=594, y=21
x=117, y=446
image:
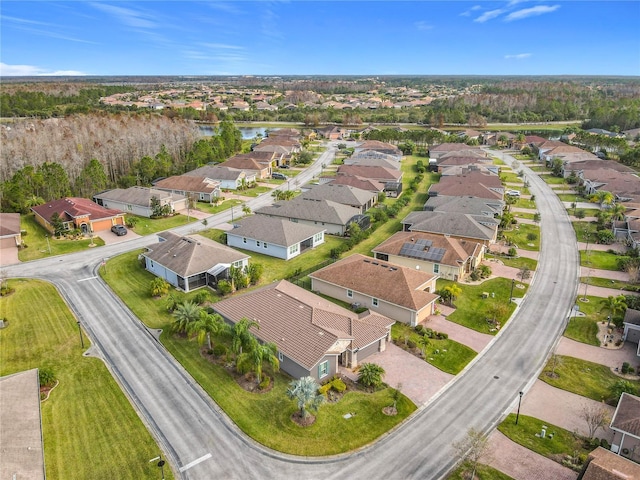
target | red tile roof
x=73, y=207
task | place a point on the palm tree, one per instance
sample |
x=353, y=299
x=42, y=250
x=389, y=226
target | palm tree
x=617, y=211
x=204, y=326
x=184, y=314
x=614, y=305
x=240, y=335
x=424, y=342
x=305, y=391
x=277, y=194
x=246, y=209
x=255, y=356
x=602, y=197
x=454, y=290
x=371, y=375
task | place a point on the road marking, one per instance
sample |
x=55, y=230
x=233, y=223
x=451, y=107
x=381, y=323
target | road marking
x=195, y=462
x=85, y=279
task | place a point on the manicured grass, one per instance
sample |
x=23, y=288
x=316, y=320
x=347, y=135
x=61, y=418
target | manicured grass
x=264, y=417
x=552, y=180
x=147, y=226
x=221, y=207
x=600, y=260
x=525, y=203
x=607, y=283
x=588, y=379
x=571, y=197
x=472, y=310
x=563, y=442
x=518, y=235
x=90, y=429
x=483, y=472
x=584, y=228
x=528, y=216
x=258, y=190
x=451, y=357
x=588, y=212
x=510, y=177
x=38, y=247
x=539, y=168
x=518, y=262
x=585, y=329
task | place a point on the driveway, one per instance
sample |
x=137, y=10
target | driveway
x=610, y=274
x=110, y=238
x=466, y=336
x=8, y=256
x=612, y=358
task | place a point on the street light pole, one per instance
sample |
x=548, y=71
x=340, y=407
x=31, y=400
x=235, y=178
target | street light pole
x=160, y=464
x=513, y=281
x=586, y=285
x=48, y=244
x=81, y=337
x=519, y=402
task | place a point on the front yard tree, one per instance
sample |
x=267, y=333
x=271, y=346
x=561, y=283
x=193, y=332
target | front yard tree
x=454, y=290
x=614, y=305
x=305, y=392
x=472, y=448
x=371, y=375
x=204, y=326
x=184, y=315
x=241, y=337
x=596, y=417
x=159, y=287
x=255, y=357
x=623, y=386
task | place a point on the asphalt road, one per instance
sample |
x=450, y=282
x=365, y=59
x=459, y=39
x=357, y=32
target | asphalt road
x=201, y=443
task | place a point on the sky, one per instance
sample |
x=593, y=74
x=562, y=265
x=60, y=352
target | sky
x=299, y=37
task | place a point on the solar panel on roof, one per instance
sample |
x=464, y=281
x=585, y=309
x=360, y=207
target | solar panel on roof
x=418, y=251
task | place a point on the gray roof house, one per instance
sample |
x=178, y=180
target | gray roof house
x=274, y=236
x=402, y=293
x=373, y=159
x=314, y=336
x=201, y=188
x=344, y=194
x=478, y=228
x=137, y=200
x=471, y=205
x=626, y=427
x=229, y=178
x=333, y=216
x=191, y=262
x=380, y=174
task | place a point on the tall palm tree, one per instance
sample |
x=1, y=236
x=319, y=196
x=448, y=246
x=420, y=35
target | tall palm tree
x=617, y=211
x=255, y=357
x=184, y=315
x=455, y=291
x=305, y=392
x=614, y=305
x=240, y=335
x=424, y=341
x=204, y=326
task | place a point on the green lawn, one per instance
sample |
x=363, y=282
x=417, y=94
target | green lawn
x=264, y=417
x=584, y=228
x=571, y=197
x=221, y=207
x=588, y=212
x=483, y=472
x=607, y=283
x=588, y=379
x=451, y=356
x=599, y=260
x=525, y=203
x=552, y=180
x=585, y=329
x=38, y=247
x=518, y=235
x=472, y=310
x=528, y=216
x=90, y=429
x=561, y=444
x=510, y=177
x=518, y=262
x=147, y=226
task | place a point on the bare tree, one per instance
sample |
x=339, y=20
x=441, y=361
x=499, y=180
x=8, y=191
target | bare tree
x=471, y=449
x=555, y=361
x=524, y=273
x=596, y=416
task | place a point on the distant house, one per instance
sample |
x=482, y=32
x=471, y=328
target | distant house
x=357, y=182
x=249, y=165
x=333, y=216
x=381, y=147
x=370, y=158
x=275, y=237
x=228, y=178
x=632, y=327
x=192, y=262
x=78, y=213
x=468, y=204
x=363, y=200
x=314, y=336
x=379, y=174
x=331, y=132
x=475, y=228
x=200, y=188
x=10, y=234
x=401, y=293
x=626, y=427
x=448, y=257
x=138, y=200
x=438, y=151
x=474, y=184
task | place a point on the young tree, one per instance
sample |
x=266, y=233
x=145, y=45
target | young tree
x=204, y=326
x=454, y=290
x=371, y=375
x=614, y=305
x=596, y=416
x=305, y=392
x=424, y=342
x=184, y=315
x=472, y=448
x=241, y=337
x=524, y=273
x=256, y=355
x=159, y=287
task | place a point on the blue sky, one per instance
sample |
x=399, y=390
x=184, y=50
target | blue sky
x=319, y=37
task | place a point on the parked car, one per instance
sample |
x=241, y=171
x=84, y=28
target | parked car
x=513, y=193
x=119, y=230
x=279, y=176
x=284, y=166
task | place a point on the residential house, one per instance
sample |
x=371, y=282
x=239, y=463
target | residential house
x=248, y=165
x=438, y=151
x=139, y=200
x=356, y=182
x=464, y=226
x=274, y=236
x=363, y=200
x=602, y=464
x=623, y=185
x=369, y=158
x=228, y=178
x=10, y=233
x=475, y=184
x=333, y=216
x=472, y=205
x=268, y=159
x=331, y=132
x=314, y=336
x=446, y=256
x=402, y=293
x=292, y=133
x=380, y=174
x=468, y=134
x=78, y=213
x=626, y=427
x=581, y=167
x=632, y=327
x=380, y=147
x=201, y=189
x=192, y=262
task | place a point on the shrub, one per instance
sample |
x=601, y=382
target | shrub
x=532, y=236
x=512, y=252
x=419, y=329
x=411, y=344
x=474, y=275
x=159, y=287
x=266, y=381
x=625, y=367
x=219, y=350
x=46, y=376
x=428, y=332
x=485, y=271
x=442, y=336
x=224, y=287
x=324, y=389
x=201, y=297
x=338, y=385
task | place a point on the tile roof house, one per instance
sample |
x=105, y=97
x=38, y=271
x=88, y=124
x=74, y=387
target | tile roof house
x=467, y=204
x=333, y=216
x=201, y=188
x=78, y=213
x=274, y=236
x=475, y=184
x=380, y=174
x=450, y=258
x=344, y=194
x=438, y=151
x=370, y=158
x=137, y=200
x=631, y=324
x=229, y=178
x=10, y=233
x=402, y=293
x=464, y=226
x=357, y=182
x=313, y=335
x=602, y=464
x=191, y=262
x=381, y=147
x=249, y=165
x=626, y=427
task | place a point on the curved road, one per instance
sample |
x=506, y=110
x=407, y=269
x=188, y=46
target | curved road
x=202, y=443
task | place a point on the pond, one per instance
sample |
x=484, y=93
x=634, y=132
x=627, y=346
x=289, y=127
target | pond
x=247, y=132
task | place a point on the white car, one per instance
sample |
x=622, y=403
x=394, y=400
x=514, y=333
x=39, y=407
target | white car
x=513, y=193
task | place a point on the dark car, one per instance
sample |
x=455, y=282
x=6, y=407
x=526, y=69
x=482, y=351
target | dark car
x=119, y=230
x=284, y=166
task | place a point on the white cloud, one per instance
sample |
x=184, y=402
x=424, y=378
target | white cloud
x=422, y=25
x=127, y=16
x=222, y=46
x=467, y=13
x=518, y=56
x=32, y=71
x=531, y=12
x=489, y=15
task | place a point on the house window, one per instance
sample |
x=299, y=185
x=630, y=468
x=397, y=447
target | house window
x=265, y=245
x=294, y=248
x=238, y=264
x=257, y=243
x=130, y=208
x=317, y=237
x=280, y=357
x=294, y=220
x=323, y=369
x=350, y=293
x=244, y=240
x=436, y=268
x=374, y=302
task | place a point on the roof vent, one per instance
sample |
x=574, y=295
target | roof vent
x=320, y=333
